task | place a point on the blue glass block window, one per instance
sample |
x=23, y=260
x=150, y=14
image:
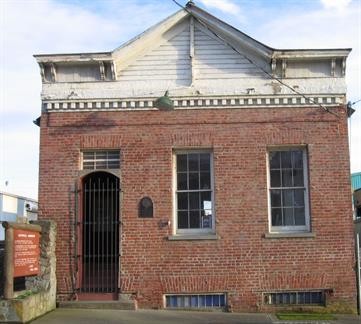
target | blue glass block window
x=196, y=301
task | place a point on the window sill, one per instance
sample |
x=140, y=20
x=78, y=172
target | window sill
x=289, y=235
x=193, y=237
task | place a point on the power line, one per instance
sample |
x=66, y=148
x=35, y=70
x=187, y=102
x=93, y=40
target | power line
x=255, y=64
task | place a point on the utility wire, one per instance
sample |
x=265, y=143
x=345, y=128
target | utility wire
x=256, y=65
x=355, y=102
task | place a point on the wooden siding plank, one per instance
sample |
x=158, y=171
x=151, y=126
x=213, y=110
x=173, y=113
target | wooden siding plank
x=170, y=62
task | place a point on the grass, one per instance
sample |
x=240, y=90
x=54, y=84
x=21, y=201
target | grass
x=27, y=293
x=304, y=316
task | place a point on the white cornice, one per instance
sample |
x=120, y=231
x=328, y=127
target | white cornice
x=215, y=102
x=298, y=54
x=74, y=57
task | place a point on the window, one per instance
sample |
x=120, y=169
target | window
x=288, y=190
x=93, y=160
x=295, y=298
x=196, y=301
x=194, y=192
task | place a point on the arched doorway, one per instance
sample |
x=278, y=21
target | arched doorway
x=99, y=242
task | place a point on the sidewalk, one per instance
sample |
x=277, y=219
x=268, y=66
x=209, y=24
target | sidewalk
x=96, y=316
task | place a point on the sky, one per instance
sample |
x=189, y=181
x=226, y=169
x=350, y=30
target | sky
x=29, y=27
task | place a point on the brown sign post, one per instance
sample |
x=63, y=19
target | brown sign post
x=22, y=253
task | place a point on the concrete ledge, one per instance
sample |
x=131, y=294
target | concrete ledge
x=120, y=305
x=289, y=235
x=193, y=237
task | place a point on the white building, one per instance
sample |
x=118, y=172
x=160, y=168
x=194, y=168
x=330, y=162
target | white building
x=14, y=207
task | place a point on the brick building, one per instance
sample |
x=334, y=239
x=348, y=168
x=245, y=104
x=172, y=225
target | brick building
x=225, y=200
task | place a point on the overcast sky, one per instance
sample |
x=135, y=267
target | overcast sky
x=30, y=27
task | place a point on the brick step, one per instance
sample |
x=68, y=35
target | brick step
x=120, y=305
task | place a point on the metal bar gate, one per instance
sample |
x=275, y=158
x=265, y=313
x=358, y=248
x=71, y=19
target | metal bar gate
x=100, y=234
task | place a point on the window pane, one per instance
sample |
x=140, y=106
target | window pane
x=194, y=200
x=100, y=155
x=209, y=300
x=300, y=216
x=88, y=155
x=287, y=198
x=205, y=180
x=207, y=219
x=297, y=159
x=286, y=161
x=193, y=162
x=287, y=178
x=173, y=301
x=182, y=181
x=194, y=219
x=301, y=298
x=216, y=301
x=113, y=164
x=193, y=180
x=183, y=219
x=182, y=162
x=299, y=198
x=275, y=178
x=182, y=200
x=88, y=165
x=276, y=217
x=180, y=301
x=205, y=159
x=288, y=216
x=194, y=301
x=101, y=164
x=113, y=155
x=222, y=301
x=206, y=200
x=275, y=198
x=202, y=300
x=298, y=177
x=274, y=160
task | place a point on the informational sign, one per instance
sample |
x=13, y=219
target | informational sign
x=26, y=253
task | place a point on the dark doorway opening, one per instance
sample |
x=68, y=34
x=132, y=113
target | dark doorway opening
x=99, y=268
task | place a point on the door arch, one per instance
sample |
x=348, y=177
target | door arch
x=99, y=242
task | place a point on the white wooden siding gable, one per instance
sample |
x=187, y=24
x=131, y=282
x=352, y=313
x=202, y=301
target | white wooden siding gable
x=216, y=60
x=171, y=61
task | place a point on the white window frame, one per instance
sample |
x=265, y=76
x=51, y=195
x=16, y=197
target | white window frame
x=296, y=228
x=192, y=231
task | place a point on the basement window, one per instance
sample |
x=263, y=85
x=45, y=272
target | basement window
x=196, y=301
x=94, y=160
x=295, y=298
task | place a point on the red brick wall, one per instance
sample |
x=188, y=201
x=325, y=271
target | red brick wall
x=242, y=262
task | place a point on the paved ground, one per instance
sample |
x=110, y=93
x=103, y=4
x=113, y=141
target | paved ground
x=92, y=316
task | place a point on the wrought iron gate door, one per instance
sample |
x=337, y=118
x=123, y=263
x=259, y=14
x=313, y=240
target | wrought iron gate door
x=100, y=234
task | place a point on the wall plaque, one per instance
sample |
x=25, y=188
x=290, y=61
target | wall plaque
x=26, y=253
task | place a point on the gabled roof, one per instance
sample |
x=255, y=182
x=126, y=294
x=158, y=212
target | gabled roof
x=221, y=29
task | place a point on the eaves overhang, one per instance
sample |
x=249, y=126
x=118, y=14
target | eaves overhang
x=299, y=54
x=73, y=57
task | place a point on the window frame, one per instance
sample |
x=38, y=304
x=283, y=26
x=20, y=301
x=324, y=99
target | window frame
x=95, y=160
x=295, y=228
x=192, y=231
